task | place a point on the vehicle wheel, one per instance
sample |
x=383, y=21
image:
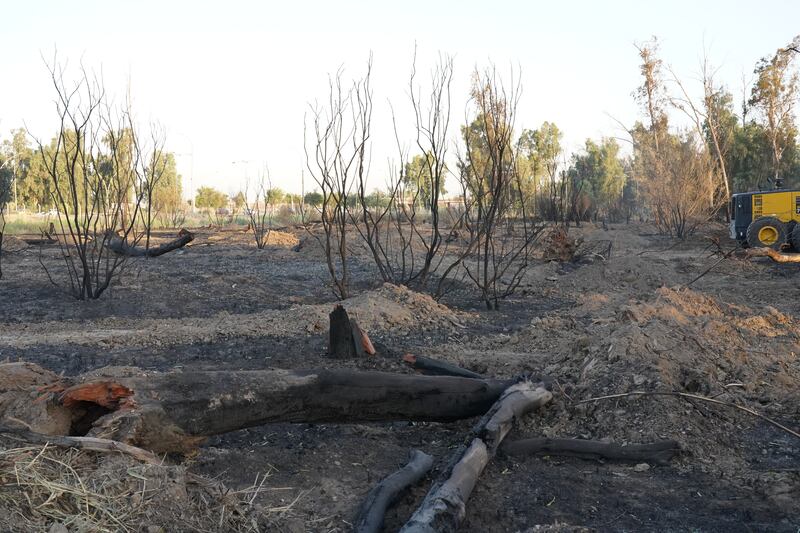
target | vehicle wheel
x=794, y=238
x=766, y=232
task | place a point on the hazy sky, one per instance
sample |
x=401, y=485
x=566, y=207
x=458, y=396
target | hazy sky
x=231, y=80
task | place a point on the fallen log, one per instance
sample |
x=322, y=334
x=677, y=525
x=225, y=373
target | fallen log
x=444, y=507
x=434, y=367
x=117, y=245
x=175, y=411
x=775, y=255
x=660, y=452
x=372, y=511
x=346, y=339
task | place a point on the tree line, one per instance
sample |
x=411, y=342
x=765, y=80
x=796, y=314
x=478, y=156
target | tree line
x=102, y=174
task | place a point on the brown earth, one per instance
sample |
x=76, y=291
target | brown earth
x=597, y=327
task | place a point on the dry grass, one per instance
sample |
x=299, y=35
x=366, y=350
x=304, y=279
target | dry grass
x=84, y=491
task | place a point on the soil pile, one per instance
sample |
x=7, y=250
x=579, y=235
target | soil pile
x=389, y=308
x=677, y=340
x=282, y=238
x=13, y=244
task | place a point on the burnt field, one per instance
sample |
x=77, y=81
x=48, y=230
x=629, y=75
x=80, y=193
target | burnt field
x=594, y=328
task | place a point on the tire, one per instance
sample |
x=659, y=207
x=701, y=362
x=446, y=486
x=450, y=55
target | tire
x=766, y=232
x=794, y=238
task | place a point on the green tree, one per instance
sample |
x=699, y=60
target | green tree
x=773, y=96
x=275, y=195
x=377, y=199
x=5, y=198
x=239, y=201
x=30, y=181
x=313, y=198
x=168, y=192
x=601, y=172
x=540, y=151
x=418, y=179
x=210, y=198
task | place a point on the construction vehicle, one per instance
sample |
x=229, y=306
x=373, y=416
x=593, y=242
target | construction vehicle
x=766, y=219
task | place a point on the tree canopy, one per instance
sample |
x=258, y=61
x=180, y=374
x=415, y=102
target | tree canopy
x=210, y=198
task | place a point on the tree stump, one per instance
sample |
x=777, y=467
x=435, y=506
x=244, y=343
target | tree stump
x=347, y=339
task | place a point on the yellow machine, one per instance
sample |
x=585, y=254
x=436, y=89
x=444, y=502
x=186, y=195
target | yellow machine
x=766, y=218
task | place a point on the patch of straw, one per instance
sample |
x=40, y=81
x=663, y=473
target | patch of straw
x=86, y=491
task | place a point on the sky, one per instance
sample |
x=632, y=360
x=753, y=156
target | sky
x=232, y=81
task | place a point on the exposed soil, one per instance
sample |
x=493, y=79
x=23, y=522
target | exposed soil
x=596, y=327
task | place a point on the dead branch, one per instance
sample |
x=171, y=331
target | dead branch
x=709, y=269
x=775, y=255
x=372, y=511
x=117, y=245
x=445, y=504
x=658, y=452
x=689, y=396
x=92, y=444
x=434, y=367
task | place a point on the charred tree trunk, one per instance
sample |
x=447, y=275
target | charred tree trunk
x=174, y=411
x=118, y=246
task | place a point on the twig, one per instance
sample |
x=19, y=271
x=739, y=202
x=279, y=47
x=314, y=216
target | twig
x=84, y=443
x=709, y=269
x=661, y=251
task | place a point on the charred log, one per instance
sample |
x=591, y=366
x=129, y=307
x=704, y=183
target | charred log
x=372, y=511
x=118, y=245
x=175, y=411
x=660, y=452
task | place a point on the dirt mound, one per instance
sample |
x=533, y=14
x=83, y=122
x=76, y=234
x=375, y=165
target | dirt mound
x=282, y=238
x=13, y=244
x=678, y=340
x=394, y=306
x=390, y=308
